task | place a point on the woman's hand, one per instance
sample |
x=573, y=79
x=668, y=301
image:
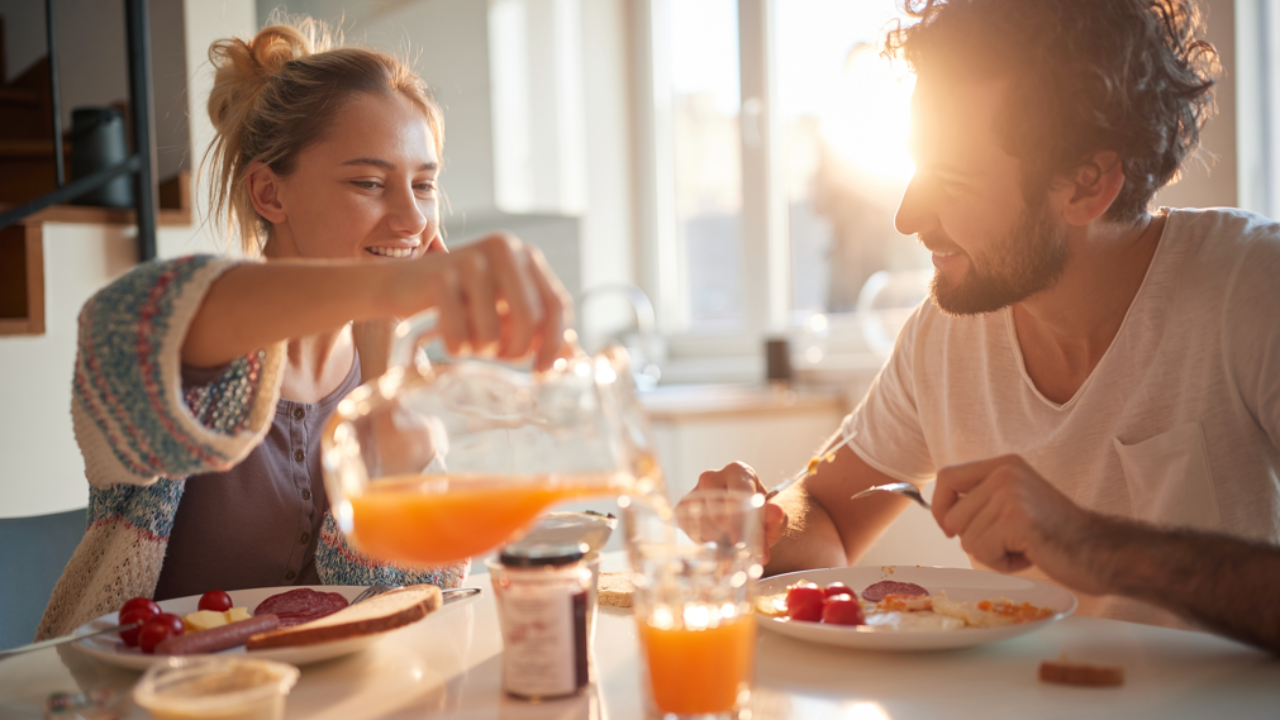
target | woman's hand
x=496, y=296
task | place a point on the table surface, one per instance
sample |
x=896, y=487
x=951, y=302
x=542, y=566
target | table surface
x=449, y=666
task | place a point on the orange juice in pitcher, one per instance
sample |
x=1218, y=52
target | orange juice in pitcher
x=435, y=520
x=432, y=465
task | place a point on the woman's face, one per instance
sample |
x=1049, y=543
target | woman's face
x=366, y=190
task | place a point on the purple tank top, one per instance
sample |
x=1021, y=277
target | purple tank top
x=257, y=524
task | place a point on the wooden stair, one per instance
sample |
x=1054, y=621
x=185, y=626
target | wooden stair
x=28, y=171
x=22, y=279
x=26, y=108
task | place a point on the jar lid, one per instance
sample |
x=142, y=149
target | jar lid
x=543, y=554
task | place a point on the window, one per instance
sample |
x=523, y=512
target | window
x=706, y=143
x=1257, y=85
x=778, y=144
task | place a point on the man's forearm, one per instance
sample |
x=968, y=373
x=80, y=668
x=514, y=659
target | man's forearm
x=1227, y=585
x=826, y=526
x=810, y=540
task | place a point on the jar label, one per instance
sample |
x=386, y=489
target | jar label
x=540, y=638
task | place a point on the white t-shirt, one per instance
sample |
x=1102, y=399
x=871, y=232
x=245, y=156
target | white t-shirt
x=1179, y=423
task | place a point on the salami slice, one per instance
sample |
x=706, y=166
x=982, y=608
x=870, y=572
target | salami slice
x=299, y=606
x=876, y=593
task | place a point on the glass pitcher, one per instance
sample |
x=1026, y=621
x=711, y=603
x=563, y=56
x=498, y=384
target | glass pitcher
x=433, y=464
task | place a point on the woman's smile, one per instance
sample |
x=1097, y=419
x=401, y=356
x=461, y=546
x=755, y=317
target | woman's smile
x=399, y=252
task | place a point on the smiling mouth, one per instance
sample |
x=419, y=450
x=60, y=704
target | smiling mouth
x=391, y=252
x=939, y=246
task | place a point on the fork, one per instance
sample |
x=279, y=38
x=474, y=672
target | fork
x=901, y=488
x=809, y=469
x=449, y=594
x=373, y=591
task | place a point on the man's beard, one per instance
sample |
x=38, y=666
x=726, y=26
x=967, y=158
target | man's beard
x=1030, y=259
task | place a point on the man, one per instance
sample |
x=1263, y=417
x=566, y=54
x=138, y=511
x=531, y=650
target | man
x=1095, y=386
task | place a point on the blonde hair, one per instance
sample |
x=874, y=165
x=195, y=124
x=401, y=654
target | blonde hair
x=275, y=95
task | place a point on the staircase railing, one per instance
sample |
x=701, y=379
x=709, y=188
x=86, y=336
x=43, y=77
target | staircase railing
x=142, y=163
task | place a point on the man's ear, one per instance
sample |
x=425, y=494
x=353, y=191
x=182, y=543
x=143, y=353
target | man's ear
x=1092, y=187
x=264, y=192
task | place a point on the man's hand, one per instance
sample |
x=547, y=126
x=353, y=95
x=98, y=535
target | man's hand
x=739, y=476
x=1010, y=518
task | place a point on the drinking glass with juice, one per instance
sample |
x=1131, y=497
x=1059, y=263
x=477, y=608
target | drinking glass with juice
x=694, y=568
x=430, y=465
x=699, y=670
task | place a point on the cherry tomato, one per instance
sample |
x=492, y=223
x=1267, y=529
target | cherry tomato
x=805, y=603
x=215, y=600
x=842, y=610
x=137, y=614
x=140, y=603
x=173, y=621
x=153, y=633
x=839, y=588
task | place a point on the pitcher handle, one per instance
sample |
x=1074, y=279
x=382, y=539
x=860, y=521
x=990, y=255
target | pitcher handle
x=409, y=334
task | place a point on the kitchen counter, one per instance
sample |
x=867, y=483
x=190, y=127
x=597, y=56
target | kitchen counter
x=677, y=403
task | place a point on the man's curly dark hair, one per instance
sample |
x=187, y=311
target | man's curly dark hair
x=1084, y=76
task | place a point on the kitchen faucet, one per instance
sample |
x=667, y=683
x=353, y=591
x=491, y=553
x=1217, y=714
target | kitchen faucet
x=644, y=345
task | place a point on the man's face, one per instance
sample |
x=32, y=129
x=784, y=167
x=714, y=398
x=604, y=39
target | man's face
x=966, y=204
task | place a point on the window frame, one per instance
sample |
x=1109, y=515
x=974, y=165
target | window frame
x=765, y=253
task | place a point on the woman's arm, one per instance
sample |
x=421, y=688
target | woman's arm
x=135, y=421
x=493, y=295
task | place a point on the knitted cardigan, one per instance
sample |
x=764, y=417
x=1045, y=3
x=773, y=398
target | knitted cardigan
x=142, y=433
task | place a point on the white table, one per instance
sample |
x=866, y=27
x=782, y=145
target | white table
x=449, y=666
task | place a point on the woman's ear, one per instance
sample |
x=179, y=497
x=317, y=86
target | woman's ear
x=264, y=192
x=1093, y=187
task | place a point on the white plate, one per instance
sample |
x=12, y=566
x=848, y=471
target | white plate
x=111, y=649
x=960, y=584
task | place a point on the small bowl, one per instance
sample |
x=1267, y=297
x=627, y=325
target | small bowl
x=216, y=688
x=563, y=528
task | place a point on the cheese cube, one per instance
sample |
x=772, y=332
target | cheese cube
x=237, y=614
x=203, y=620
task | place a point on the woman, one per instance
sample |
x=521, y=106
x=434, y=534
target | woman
x=202, y=383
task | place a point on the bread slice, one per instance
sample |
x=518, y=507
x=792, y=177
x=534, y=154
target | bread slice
x=615, y=589
x=1066, y=672
x=380, y=613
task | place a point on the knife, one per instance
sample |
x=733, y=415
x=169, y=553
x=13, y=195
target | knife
x=59, y=641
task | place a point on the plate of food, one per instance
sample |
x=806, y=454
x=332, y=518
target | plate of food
x=907, y=608
x=297, y=625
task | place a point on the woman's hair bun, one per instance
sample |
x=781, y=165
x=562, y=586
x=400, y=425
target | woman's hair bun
x=243, y=68
x=281, y=42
